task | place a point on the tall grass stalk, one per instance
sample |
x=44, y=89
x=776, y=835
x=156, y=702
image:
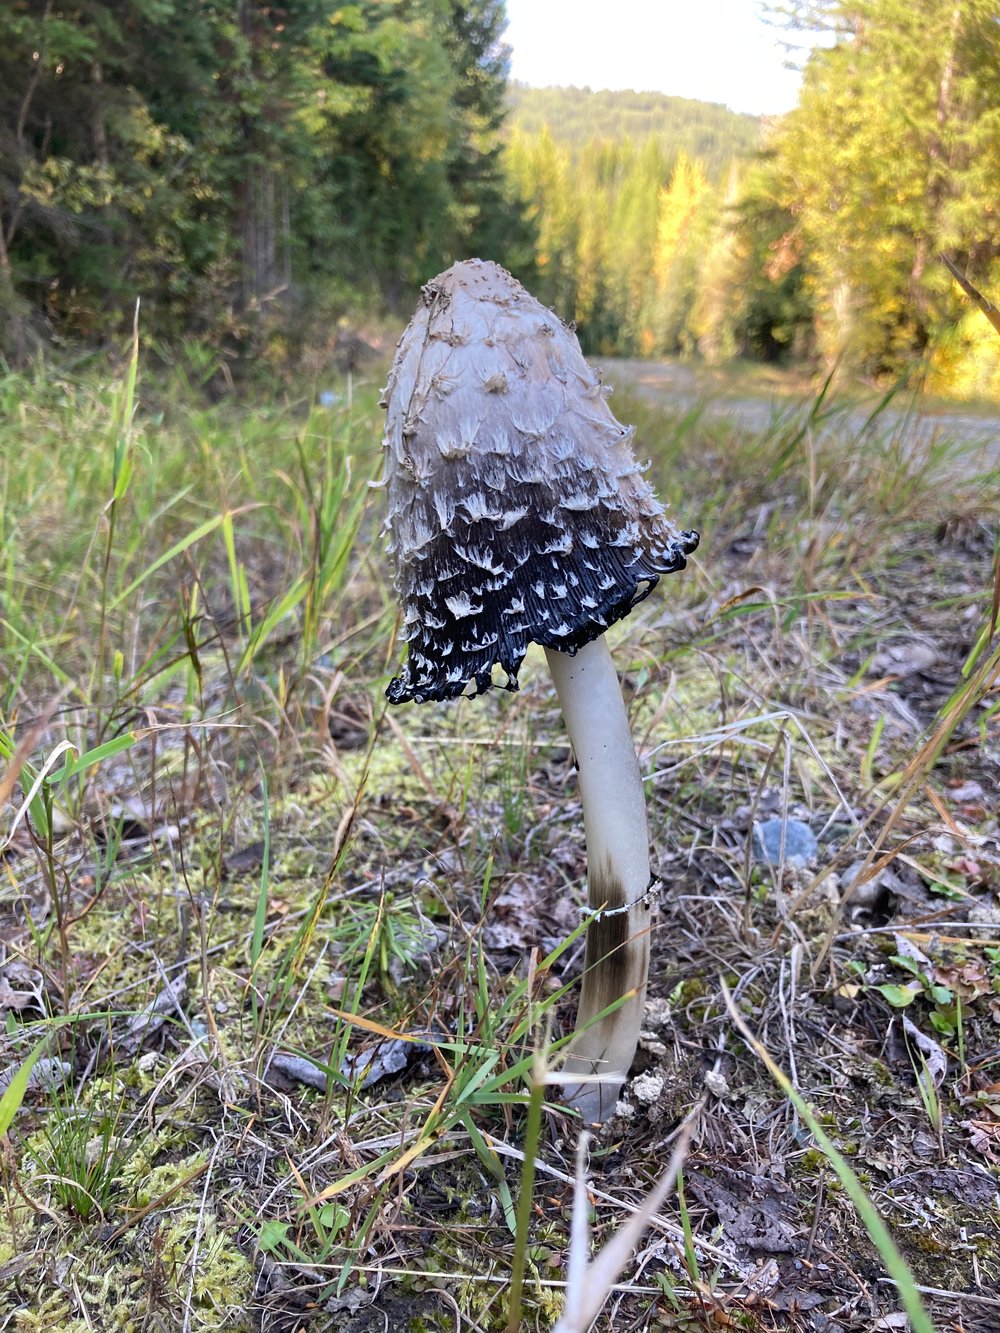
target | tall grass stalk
x=532, y=1137
x=121, y=476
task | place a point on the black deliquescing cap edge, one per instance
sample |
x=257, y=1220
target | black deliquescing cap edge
x=616, y=607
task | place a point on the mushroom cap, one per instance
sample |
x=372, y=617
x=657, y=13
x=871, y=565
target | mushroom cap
x=517, y=512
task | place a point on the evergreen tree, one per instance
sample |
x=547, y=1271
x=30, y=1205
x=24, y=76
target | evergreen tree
x=634, y=214
x=685, y=213
x=891, y=155
x=93, y=200
x=622, y=221
x=224, y=161
x=493, y=221
x=740, y=289
x=541, y=173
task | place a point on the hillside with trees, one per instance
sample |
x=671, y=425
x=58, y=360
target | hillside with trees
x=252, y=175
x=674, y=228
x=576, y=116
x=622, y=191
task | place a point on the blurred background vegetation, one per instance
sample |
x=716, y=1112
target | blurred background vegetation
x=267, y=177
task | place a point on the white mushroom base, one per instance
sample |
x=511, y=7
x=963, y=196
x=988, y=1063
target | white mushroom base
x=614, y=816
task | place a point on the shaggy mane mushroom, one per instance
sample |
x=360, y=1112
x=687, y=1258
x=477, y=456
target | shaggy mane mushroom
x=517, y=514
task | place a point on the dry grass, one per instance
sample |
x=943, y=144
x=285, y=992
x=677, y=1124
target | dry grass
x=263, y=873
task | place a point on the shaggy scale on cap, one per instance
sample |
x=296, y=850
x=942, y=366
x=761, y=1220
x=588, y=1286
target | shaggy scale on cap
x=517, y=512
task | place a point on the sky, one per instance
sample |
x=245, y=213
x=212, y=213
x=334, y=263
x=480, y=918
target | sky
x=714, y=50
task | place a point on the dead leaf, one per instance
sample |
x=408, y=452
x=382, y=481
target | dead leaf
x=906, y=948
x=934, y=1057
x=21, y=987
x=47, y=1074
x=968, y=980
x=964, y=865
x=967, y=791
x=151, y=1019
x=891, y=1321
x=244, y=861
x=984, y=1137
x=751, y=1209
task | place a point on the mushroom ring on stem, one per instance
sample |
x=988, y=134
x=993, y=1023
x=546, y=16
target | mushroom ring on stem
x=517, y=514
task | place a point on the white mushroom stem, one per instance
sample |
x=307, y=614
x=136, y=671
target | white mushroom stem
x=614, y=819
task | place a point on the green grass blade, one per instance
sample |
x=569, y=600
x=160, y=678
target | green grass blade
x=10, y=1102
x=532, y=1136
x=260, y=912
x=178, y=548
x=95, y=756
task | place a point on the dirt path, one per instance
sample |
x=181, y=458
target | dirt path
x=977, y=436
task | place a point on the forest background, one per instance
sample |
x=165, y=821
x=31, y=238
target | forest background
x=264, y=177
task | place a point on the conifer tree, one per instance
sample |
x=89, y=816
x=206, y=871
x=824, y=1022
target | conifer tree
x=226, y=162
x=685, y=210
x=892, y=154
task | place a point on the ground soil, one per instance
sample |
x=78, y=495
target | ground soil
x=880, y=1001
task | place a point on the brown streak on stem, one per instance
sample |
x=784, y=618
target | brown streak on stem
x=611, y=951
x=604, y=887
x=607, y=950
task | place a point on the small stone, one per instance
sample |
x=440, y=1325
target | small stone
x=984, y=914
x=651, y=1044
x=379, y=1062
x=658, y=1015
x=905, y=659
x=647, y=1088
x=716, y=1084
x=799, y=839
